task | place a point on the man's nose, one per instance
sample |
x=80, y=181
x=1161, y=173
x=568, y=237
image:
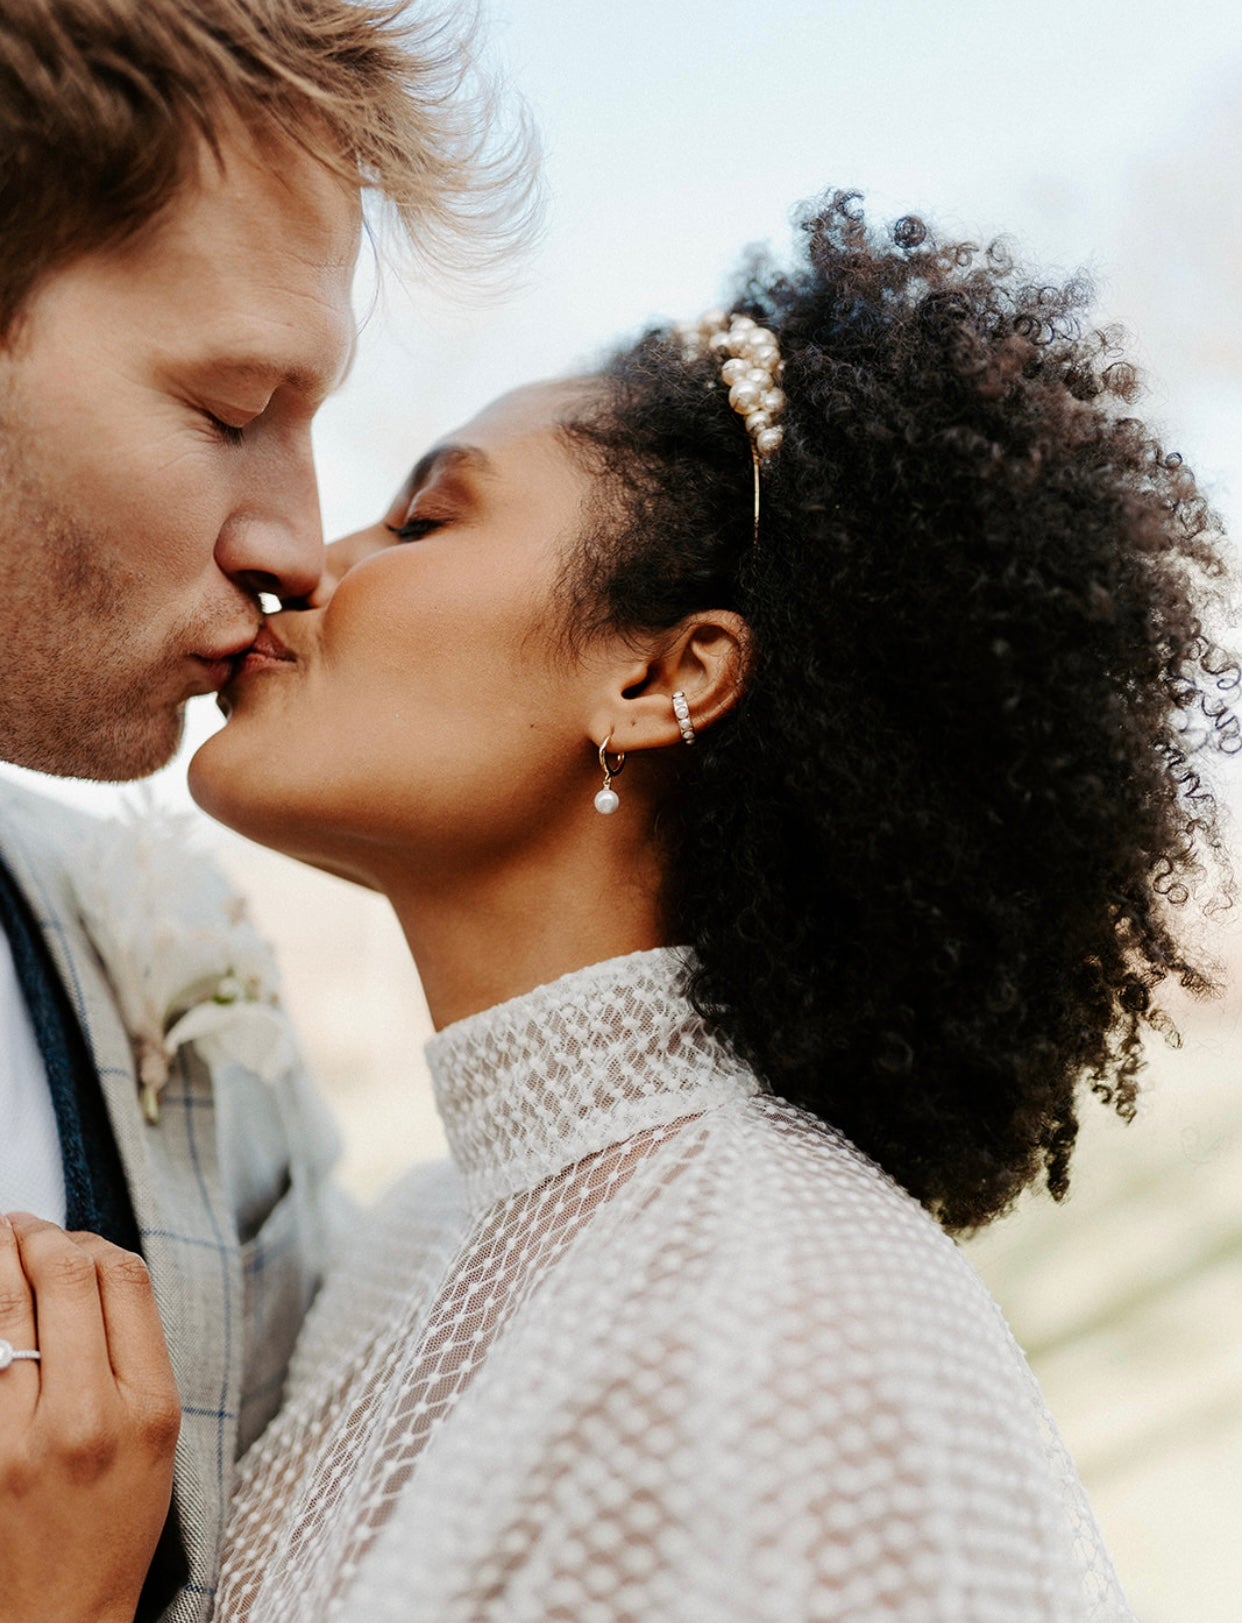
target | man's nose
x=274, y=543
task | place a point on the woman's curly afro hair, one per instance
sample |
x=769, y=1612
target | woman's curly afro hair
x=930, y=863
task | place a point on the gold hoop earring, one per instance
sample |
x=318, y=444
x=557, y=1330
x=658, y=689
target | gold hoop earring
x=607, y=800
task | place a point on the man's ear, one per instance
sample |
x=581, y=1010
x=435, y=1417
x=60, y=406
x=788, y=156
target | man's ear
x=704, y=658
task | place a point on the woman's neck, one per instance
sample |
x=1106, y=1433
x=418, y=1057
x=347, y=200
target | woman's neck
x=488, y=936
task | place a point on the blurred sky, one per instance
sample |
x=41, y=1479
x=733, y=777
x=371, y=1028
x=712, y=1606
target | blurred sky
x=677, y=133
x=1097, y=133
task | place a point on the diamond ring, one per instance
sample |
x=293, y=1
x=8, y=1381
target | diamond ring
x=10, y=1354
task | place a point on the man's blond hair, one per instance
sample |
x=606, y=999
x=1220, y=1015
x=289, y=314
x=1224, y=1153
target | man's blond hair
x=105, y=106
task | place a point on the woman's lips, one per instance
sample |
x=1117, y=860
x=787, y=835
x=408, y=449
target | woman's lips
x=265, y=652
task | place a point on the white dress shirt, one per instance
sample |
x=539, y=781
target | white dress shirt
x=31, y=1172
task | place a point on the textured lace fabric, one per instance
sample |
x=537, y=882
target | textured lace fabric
x=653, y=1348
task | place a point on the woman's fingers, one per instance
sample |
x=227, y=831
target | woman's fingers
x=136, y=1345
x=89, y=1308
x=76, y=1373
x=86, y=1471
x=17, y=1318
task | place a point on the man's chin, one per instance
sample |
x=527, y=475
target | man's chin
x=137, y=757
x=114, y=750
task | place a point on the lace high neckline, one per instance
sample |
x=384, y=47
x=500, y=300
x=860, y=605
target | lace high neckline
x=531, y=1086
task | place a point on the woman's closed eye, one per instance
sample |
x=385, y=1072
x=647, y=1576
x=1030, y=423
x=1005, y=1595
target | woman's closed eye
x=415, y=528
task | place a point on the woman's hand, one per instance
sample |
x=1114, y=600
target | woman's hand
x=87, y=1434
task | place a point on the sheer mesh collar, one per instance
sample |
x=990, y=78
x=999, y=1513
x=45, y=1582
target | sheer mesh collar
x=533, y=1085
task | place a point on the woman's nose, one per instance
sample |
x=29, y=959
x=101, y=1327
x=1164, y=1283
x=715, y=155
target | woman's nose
x=341, y=557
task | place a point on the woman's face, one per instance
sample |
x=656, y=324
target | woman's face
x=423, y=706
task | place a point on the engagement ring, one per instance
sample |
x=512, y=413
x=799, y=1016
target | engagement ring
x=9, y=1354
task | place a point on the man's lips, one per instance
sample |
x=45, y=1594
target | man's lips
x=265, y=653
x=219, y=664
x=259, y=651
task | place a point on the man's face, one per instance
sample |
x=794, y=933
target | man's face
x=155, y=459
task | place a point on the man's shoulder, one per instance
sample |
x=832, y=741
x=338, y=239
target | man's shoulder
x=34, y=816
x=45, y=844
x=40, y=831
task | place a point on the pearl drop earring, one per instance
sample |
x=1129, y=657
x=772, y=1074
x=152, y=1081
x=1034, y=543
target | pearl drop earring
x=607, y=800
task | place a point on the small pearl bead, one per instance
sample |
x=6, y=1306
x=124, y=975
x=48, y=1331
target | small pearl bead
x=765, y=355
x=769, y=440
x=743, y=323
x=762, y=380
x=735, y=371
x=715, y=319
x=744, y=397
x=607, y=801
x=757, y=422
x=774, y=401
x=719, y=341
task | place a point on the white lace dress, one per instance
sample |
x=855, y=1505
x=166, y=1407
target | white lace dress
x=653, y=1348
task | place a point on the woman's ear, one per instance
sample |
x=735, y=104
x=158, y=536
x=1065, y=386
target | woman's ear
x=703, y=660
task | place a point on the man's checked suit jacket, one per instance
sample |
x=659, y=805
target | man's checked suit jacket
x=229, y=1191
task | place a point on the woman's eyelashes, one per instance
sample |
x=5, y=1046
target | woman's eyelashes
x=414, y=529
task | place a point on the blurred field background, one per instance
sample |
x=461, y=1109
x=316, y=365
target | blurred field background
x=1104, y=134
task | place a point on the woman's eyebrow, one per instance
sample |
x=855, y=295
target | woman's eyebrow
x=451, y=454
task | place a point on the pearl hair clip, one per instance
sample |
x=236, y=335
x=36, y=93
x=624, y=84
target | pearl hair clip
x=751, y=365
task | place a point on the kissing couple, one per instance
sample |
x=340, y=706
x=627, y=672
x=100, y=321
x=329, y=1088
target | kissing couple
x=776, y=745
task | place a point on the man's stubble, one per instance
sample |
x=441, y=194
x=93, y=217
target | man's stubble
x=75, y=685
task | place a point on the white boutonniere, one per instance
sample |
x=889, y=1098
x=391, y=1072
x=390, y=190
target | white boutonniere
x=186, y=964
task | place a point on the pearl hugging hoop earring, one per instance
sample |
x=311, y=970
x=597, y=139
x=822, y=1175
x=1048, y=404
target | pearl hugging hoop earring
x=682, y=711
x=607, y=800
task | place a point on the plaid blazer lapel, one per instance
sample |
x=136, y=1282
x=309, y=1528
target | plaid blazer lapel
x=184, y=1216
